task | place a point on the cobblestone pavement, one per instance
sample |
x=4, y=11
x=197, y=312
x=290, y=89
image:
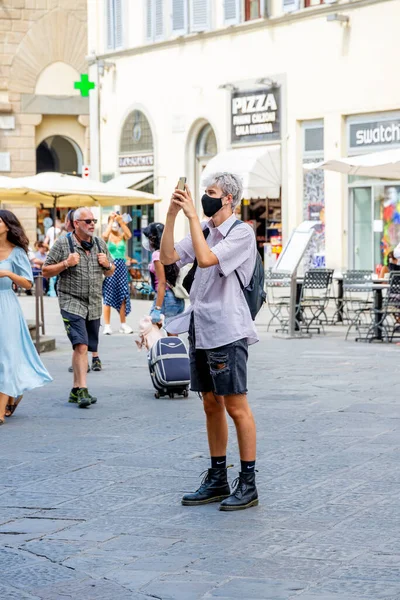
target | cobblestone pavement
x=90, y=499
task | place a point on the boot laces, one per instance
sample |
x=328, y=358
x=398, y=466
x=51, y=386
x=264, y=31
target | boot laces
x=239, y=486
x=204, y=480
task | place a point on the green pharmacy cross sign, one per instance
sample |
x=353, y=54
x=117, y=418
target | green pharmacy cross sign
x=84, y=85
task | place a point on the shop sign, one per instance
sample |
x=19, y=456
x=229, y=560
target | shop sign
x=375, y=133
x=256, y=116
x=137, y=161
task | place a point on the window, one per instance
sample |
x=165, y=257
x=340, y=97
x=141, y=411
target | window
x=314, y=189
x=252, y=10
x=136, y=136
x=190, y=16
x=199, y=15
x=114, y=24
x=291, y=5
x=236, y=11
x=179, y=17
x=154, y=19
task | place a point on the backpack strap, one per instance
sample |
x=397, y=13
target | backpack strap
x=189, y=278
x=235, y=224
x=206, y=233
x=99, y=248
x=70, y=243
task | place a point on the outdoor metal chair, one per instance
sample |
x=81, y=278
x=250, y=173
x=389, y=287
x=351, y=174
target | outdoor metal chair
x=357, y=300
x=389, y=321
x=314, y=299
x=277, y=286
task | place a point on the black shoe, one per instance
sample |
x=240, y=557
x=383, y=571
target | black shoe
x=93, y=399
x=71, y=369
x=96, y=364
x=244, y=495
x=213, y=488
x=83, y=398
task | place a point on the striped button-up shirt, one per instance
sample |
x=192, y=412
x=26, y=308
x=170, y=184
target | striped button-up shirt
x=79, y=288
x=220, y=311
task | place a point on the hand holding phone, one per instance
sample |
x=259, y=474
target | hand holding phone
x=181, y=183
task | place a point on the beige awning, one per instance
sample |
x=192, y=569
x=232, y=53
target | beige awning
x=129, y=180
x=258, y=166
x=382, y=165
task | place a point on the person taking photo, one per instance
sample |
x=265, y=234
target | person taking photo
x=220, y=329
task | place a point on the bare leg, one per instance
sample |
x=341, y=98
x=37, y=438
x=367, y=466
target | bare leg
x=107, y=314
x=239, y=410
x=80, y=364
x=217, y=426
x=3, y=404
x=122, y=315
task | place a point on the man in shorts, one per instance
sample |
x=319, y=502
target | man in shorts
x=96, y=362
x=80, y=294
x=220, y=329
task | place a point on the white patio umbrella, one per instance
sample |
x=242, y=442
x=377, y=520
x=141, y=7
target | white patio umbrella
x=384, y=165
x=53, y=190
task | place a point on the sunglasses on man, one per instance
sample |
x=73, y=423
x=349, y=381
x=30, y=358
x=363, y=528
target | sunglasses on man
x=88, y=221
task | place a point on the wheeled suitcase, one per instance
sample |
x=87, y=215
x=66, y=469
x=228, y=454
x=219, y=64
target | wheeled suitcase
x=169, y=367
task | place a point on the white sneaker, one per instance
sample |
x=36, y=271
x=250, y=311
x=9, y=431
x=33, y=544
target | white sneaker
x=107, y=330
x=125, y=328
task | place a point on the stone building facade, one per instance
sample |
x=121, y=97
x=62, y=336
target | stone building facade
x=43, y=119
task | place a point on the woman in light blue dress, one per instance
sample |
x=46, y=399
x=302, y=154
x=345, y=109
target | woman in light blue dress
x=20, y=366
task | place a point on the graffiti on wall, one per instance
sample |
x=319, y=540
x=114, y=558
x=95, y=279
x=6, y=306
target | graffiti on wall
x=314, y=210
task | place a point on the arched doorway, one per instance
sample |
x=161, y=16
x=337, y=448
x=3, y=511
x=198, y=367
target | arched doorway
x=60, y=154
x=205, y=150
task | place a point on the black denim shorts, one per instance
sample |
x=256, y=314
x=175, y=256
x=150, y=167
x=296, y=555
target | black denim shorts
x=221, y=370
x=81, y=331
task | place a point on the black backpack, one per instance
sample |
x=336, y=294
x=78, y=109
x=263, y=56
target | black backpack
x=254, y=293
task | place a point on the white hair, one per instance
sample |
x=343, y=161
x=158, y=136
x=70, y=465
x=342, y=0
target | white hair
x=229, y=184
x=79, y=211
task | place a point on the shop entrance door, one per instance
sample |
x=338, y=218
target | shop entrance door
x=362, y=235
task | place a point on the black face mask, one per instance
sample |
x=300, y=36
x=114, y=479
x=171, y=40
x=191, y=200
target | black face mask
x=211, y=205
x=86, y=245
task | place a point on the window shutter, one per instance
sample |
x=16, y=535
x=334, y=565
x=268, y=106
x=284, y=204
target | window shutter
x=232, y=12
x=159, y=18
x=199, y=15
x=110, y=24
x=179, y=17
x=291, y=5
x=118, y=23
x=149, y=19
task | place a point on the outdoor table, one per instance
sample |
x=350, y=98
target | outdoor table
x=377, y=286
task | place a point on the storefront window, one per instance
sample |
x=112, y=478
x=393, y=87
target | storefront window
x=386, y=221
x=314, y=191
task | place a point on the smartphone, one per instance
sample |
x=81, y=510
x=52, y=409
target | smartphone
x=181, y=183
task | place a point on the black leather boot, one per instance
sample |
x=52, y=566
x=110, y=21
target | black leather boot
x=213, y=488
x=244, y=495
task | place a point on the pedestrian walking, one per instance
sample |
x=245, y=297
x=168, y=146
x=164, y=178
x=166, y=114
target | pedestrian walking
x=79, y=293
x=220, y=327
x=116, y=292
x=96, y=362
x=163, y=278
x=20, y=366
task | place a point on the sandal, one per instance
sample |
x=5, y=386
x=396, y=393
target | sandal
x=11, y=408
x=1, y=422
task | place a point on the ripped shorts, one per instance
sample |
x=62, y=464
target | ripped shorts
x=220, y=370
